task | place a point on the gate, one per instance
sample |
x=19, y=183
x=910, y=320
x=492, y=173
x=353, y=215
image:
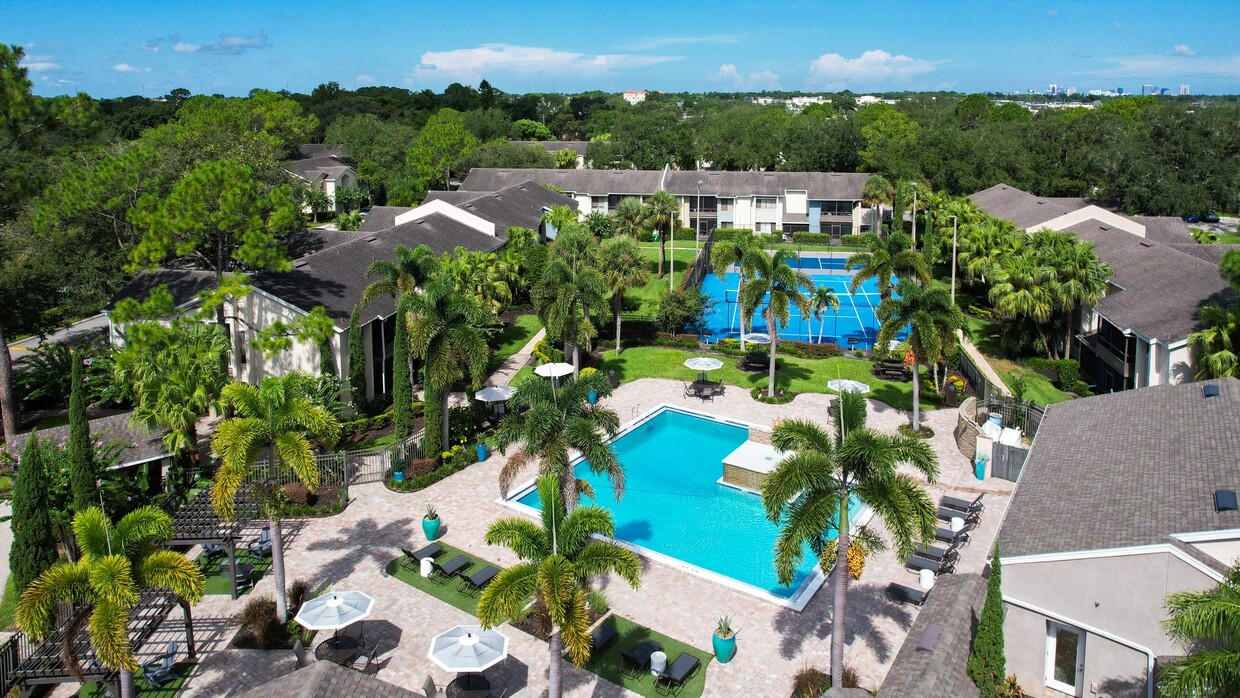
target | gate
x=1008, y=461
x=346, y=468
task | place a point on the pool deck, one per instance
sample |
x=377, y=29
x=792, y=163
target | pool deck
x=350, y=550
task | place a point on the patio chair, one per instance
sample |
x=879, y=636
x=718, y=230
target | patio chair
x=949, y=514
x=212, y=551
x=299, y=652
x=158, y=672
x=953, y=538
x=432, y=689
x=245, y=576
x=634, y=661
x=717, y=389
x=477, y=581
x=261, y=546
x=451, y=568
x=902, y=594
x=673, y=679
x=934, y=552
x=947, y=565
x=415, y=558
x=690, y=390
x=364, y=662
x=356, y=631
x=603, y=635
x=967, y=506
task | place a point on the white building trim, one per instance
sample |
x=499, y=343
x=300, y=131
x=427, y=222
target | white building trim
x=1206, y=536
x=1091, y=212
x=1116, y=552
x=480, y=224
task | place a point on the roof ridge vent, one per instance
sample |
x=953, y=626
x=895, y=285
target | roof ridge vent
x=372, y=238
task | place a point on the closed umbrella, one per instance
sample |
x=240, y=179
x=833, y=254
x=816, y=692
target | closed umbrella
x=758, y=338
x=334, y=611
x=495, y=393
x=468, y=648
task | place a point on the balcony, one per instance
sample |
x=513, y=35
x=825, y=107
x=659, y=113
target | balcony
x=1114, y=357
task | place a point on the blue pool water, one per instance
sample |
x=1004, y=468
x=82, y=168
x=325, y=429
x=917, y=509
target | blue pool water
x=853, y=325
x=673, y=505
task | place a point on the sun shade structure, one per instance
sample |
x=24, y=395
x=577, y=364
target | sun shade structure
x=703, y=363
x=758, y=338
x=468, y=648
x=334, y=611
x=495, y=393
x=846, y=385
x=553, y=370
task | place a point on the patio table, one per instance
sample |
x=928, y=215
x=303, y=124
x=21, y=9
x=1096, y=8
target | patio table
x=341, y=649
x=469, y=686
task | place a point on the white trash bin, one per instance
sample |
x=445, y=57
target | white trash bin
x=927, y=579
x=957, y=524
x=658, y=662
x=428, y=566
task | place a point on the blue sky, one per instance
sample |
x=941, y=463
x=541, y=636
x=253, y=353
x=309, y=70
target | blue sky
x=147, y=47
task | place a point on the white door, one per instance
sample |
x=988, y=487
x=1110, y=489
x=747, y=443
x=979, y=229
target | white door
x=1065, y=658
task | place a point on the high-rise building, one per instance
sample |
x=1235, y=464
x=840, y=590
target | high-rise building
x=1147, y=90
x=1184, y=89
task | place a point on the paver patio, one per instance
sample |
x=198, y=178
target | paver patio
x=350, y=550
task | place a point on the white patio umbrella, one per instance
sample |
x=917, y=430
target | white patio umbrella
x=555, y=370
x=845, y=385
x=468, y=648
x=495, y=393
x=703, y=364
x=758, y=338
x=334, y=611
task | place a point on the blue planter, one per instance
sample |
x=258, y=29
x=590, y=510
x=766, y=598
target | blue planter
x=592, y=396
x=979, y=469
x=399, y=476
x=725, y=649
x=431, y=528
x=482, y=452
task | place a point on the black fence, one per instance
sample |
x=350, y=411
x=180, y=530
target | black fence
x=1018, y=414
x=982, y=388
x=633, y=326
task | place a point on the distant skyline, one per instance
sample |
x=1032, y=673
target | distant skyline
x=147, y=47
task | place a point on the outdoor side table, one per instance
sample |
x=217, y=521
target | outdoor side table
x=341, y=650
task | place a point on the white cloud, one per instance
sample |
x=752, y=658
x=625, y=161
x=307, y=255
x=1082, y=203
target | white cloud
x=226, y=45
x=1183, y=50
x=1173, y=66
x=364, y=80
x=183, y=47
x=1052, y=13
x=764, y=80
x=833, y=71
x=154, y=45
x=658, y=41
x=126, y=68
x=469, y=64
x=40, y=64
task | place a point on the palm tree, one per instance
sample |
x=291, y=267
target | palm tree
x=547, y=423
x=279, y=415
x=1216, y=344
x=563, y=297
x=559, y=217
x=629, y=218
x=822, y=299
x=893, y=256
x=982, y=244
x=776, y=282
x=874, y=193
x=445, y=332
x=412, y=269
x=117, y=562
x=318, y=201
x=1023, y=286
x=1207, y=623
x=662, y=211
x=560, y=555
x=622, y=266
x=1080, y=276
x=735, y=250
x=483, y=275
x=932, y=321
x=807, y=496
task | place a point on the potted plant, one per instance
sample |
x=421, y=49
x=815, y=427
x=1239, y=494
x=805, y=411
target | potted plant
x=592, y=396
x=399, y=474
x=482, y=451
x=430, y=523
x=724, y=640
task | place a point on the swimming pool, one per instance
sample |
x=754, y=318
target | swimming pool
x=853, y=325
x=674, y=507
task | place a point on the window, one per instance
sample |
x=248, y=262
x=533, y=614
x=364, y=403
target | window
x=765, y=203
x=725, y=205
x=243, y=349
x=796, y=227
x=837, y=229
x=598, y=204
x=764, y=227
x=1065, y=658
x=837, y=208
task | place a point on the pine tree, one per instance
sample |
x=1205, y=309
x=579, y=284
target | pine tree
x=357, y=364
x=402, y=380
x=327, y=360
x=986, y=662
x=34, y=542
x=82, y=472
x=432, y=414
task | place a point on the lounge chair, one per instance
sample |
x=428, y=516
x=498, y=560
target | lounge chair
x=212, y=551
x=160, y=671
x=673, y=679
x=245, y=576
x=477, y=581
x=934, y=552
x=967, y=506
x=415, y=558
x=432, y=689
x=364, y=662
x=953, y=538
x=755, y=361
x=717, y=389
x=261, y=546
x=450, y=569
x=603, y=636
x=902, y=594
x=634, y=661
x=949, y=514
x=947, y=565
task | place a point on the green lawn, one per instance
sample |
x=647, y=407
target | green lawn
x=513, y=337
x=791, y=373
x=404, y=570
x=218, y=583
x=607, y=663
x=648, y=295
x=8, y=605
x=1038, y=388
x=384, y=440
x=168, y=690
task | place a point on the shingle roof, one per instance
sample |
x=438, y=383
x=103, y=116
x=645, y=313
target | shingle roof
x=1021, y=207
x=1168, y=230
x=519, y=205
x=184, y=284
x=1126, y=469
x=578, y=147
x=311, y=240
x=138, y=446
x=381, y=218
x=955, y=604
x=1163, y=288
x=310, y=168
x=1211, y=253
x=320, y=150
x=328, y=680
x=819, y=185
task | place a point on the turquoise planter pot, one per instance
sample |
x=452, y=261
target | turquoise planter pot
x=482, y=452
x=431, y=528
x=592, y=396
x=725, y=649
x=399, y=476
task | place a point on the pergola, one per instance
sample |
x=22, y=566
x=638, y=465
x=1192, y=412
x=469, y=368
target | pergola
x=196, y=523
x=42, y=663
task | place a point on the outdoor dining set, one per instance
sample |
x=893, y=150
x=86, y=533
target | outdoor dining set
x=702, y=388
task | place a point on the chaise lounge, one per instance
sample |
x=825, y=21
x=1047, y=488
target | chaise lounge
x=673, y=679
x=477, y=581
x=902, y=594
x=634, y=661
x=946, y=565
x=967, y=506
x=449, y=569
x=415, y=558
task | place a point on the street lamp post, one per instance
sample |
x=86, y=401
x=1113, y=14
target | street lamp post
x=671, y=261
x=697, y=228
x=953, y=260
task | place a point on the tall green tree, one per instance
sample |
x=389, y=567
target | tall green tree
x=884, y=259
x=932, y=321
x=735, y=251
x=1024, y=286
x=662, y=213
x=83, y=473
x=875, y=192
x=822, y=299
x=622, y=266
x=780, y=286
x=562, y=298
x=34, y=539
x=559, y=556
x=280, y=419
x=987, y=665
x=486, y=276
x=1080, y=276
x=317, y=201
x=357, y=363
x=117, y=563
x=1207, y=624
x=443, y=141
x=412, y=269
x=445, y=333
x=1216, y=342
x=403, y=419
x=807, y=496
x=628, y=218
x=560, y=217
x=546, y=423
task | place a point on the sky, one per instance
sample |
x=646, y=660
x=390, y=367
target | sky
x=146, y=47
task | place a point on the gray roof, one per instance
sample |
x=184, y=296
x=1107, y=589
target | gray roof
x=1127, y=469
x=328, y=680
x=1211, y=253
x=311, y=240
x=1163, y=288
x=313, y=168
x=1168, y=230
x=1021, y=207
x=819, y=185
x=381, y=218
x=138, y=446
x=578, y=147
x=955, y=604
x=184, y=284
x=320, y=150
x=519, y=205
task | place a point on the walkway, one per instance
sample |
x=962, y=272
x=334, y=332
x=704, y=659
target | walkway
x=508, y=370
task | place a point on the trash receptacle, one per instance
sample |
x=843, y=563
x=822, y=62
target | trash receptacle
x=428, y=565
x=482, y=452
x=926, y=579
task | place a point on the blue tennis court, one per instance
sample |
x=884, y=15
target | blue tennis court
x=852, y=326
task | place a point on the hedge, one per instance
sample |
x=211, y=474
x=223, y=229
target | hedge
x=1067, y=373
x=811, y=238
x=852, y=240
x=414, y=484
x=379, y=421
x=804, y=350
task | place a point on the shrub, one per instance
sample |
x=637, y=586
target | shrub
x=811, y=238
x=809, y=350
x=681, y=310
x=781, y=398
x=414, y=484
x=1067, y=373
x=298, y=593
x=260, y=628
x=680, y=340
x=420, y=466
x=297, y=493
x=986, y=665
x=364, y=424
x=810, y=682
x=852, y=240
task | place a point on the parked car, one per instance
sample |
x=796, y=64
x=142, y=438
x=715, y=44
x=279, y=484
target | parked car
x=1209, y=217
x=1191, y=218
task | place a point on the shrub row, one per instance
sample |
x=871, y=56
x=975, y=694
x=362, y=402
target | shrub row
x=418, y=482
x=811, y=238
x=852, y=240
x=805, y=350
